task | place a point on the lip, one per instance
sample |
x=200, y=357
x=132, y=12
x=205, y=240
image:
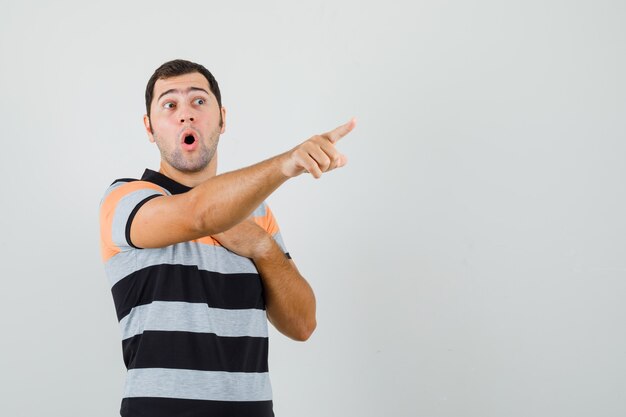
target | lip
x=187, y=132
x=184, y=134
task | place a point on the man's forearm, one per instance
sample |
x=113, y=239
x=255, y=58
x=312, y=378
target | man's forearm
x=225, y=200
x=289, y=299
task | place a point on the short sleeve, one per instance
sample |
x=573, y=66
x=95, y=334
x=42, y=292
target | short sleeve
x=265, y=218
x=118, y=207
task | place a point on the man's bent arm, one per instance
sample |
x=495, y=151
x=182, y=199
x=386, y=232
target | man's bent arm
x=289, y=299
x=225, y=200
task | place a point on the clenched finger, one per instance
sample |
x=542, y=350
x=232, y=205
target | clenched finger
x=322, y=159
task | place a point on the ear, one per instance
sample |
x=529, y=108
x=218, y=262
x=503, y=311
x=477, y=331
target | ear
x=223, y=111
x=146, y=124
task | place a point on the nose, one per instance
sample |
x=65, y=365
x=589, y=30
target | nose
x=185, y=114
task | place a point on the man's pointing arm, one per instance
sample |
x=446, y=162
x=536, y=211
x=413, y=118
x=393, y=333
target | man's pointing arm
x=225, y=200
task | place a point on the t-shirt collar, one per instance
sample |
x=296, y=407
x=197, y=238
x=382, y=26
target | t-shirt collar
x=164, y=181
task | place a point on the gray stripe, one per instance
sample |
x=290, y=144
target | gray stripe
x=194, y=317
x=205, y=257
x=111, y=188
x=260, y=211
x=279, y=239
x=198, y=385
x=122, y=211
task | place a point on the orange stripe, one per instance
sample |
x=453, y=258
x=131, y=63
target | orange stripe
x=207, y=240
x=268, y=222
x=107, y=248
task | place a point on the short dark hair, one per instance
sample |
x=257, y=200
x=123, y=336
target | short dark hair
x=180, y=67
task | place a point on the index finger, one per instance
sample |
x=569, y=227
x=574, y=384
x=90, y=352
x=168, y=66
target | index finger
x=341, y=131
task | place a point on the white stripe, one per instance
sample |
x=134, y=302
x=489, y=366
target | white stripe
x=111, y=188
x=260, y=211
x=194, y=317
x=198, y=385
x=122, y=212
x=206, y=257
x=279, y=240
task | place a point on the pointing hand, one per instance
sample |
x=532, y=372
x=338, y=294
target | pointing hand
x=318, y=154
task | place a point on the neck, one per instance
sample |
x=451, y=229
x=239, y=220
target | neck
x=190, y=179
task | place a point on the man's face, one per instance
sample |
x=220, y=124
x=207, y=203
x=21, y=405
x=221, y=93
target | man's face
x=185, y=118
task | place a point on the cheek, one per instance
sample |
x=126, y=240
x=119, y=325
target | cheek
x=164, y=126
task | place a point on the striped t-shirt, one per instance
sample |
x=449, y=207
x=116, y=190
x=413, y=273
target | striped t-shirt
x=192, y=315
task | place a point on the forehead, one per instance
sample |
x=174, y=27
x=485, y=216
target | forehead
x=181, y=82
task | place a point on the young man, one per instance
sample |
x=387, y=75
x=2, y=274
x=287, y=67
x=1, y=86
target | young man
x=196, y=261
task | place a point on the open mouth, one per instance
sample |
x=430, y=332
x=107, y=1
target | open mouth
x=189, y=139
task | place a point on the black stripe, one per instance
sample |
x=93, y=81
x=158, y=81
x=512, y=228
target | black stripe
x=132, y=216
x=164, y=181
x=189, y=284
x=197, y=351
x=170, y=407
x=123, y=180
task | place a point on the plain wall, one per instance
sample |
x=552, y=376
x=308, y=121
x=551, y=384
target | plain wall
x=469, y=259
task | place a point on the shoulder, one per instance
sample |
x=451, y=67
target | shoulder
x=118, y=206
x=129, y=187
x=122, y=199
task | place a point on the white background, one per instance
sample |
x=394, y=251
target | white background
x=469, y=260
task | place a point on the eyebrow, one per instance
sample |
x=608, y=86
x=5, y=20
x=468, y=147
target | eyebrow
x=176, y=90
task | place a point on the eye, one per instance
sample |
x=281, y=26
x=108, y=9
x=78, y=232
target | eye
x=199, y=101
x=168, y=105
